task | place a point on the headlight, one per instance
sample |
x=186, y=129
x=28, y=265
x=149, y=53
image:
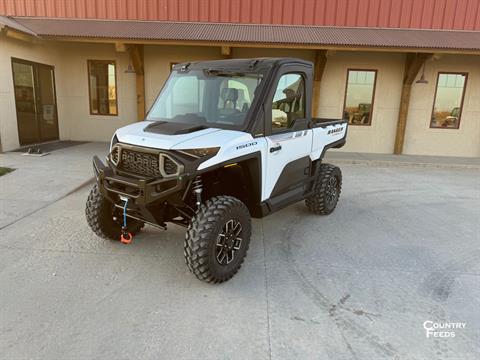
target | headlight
x=202, y=152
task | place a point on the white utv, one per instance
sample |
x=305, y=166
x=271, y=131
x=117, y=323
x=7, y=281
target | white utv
x=225, y=141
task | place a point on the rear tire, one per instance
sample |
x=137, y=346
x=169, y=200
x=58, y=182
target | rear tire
x=326, y=190
x=217, y=239
x=100, y=212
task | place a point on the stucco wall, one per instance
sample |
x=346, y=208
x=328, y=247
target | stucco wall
x=72, y=90
x=379, y=136
x=465, y=141
x=71, y=81
x=76, y=123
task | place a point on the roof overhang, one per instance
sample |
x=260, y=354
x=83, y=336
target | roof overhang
x=248, y=35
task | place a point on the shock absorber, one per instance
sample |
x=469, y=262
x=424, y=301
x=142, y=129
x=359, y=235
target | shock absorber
x=197, y=188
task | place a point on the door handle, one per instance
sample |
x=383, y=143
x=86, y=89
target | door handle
x=276, y=148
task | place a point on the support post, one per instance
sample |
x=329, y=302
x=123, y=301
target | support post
x=319, y=68
x=136, y=56
x=413, y=64
x=120, y=47
x=226, y=52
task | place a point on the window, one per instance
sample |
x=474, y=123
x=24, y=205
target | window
x=359, y=96
x=213, y=98
x=288, y=102
x=448, y=101
x=186, y=97
x=102, y=81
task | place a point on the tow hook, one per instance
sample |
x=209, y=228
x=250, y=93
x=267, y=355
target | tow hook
x=125, y=237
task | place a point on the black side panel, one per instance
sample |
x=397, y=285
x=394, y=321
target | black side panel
x=251, y=165
x=292, y=196
x=293, y=175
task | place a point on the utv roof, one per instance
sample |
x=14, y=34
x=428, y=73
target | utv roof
x=253, y=64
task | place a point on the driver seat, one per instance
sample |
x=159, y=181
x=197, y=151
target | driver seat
x=229, y=97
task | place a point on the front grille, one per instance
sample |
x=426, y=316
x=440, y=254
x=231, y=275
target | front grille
x=114, y=155
x=144, y=163
x=140, y=163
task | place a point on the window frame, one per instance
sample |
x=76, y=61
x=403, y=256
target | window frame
x=464, y=90
x=303, y=75
x=89, y=61
x=373, y=95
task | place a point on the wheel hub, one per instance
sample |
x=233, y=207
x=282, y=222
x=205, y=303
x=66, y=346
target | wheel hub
x=229, y=242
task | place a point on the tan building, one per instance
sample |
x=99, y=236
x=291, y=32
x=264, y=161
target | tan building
x=404, y=91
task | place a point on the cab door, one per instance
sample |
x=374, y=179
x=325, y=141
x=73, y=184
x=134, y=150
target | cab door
x=289, y=139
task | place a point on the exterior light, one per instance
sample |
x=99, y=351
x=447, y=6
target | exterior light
x=130, y=69
x=422, y=79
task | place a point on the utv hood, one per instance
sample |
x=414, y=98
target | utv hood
x=161, y=135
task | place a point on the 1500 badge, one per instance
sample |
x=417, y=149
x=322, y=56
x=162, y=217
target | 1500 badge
x=335, y=131
x=243, y=146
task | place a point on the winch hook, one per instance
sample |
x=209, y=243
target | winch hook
x=125, y=237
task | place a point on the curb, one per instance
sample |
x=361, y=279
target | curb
x=387, y=163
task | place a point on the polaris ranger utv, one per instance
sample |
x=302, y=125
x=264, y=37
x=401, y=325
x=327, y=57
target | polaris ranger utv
x=225, y=140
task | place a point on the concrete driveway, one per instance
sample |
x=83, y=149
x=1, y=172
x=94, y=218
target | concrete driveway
x=402, y=248
x=40, y=181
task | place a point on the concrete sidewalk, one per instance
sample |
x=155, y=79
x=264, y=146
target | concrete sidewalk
x=40, y=181
x=435, y=162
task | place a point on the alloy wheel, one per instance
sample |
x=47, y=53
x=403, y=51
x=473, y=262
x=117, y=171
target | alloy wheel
x=229, y=242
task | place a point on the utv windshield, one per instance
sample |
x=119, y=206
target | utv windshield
x=207, y=98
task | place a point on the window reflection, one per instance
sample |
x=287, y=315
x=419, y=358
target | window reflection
x=447, y=106
x=288, y=102
x=103, y=87
x=359, y=96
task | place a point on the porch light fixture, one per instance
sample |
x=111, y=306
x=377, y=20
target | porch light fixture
x=130, y=69
x=422, y=79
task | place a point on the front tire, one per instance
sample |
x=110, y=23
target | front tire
x=326, y=190
x=100, y=213
x=217, y=239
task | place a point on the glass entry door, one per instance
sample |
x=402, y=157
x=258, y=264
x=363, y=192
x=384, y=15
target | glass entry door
x=35, y=101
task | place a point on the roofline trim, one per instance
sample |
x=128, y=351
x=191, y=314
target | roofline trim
x=173, y=42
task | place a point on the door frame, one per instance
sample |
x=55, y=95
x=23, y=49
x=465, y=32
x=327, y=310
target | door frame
x=35, y=65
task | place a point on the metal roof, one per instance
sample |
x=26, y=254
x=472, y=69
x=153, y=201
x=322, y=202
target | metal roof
x=253, y=33
x=410, y=14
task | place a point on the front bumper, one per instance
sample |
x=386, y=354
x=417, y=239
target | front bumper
x=140, y=191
